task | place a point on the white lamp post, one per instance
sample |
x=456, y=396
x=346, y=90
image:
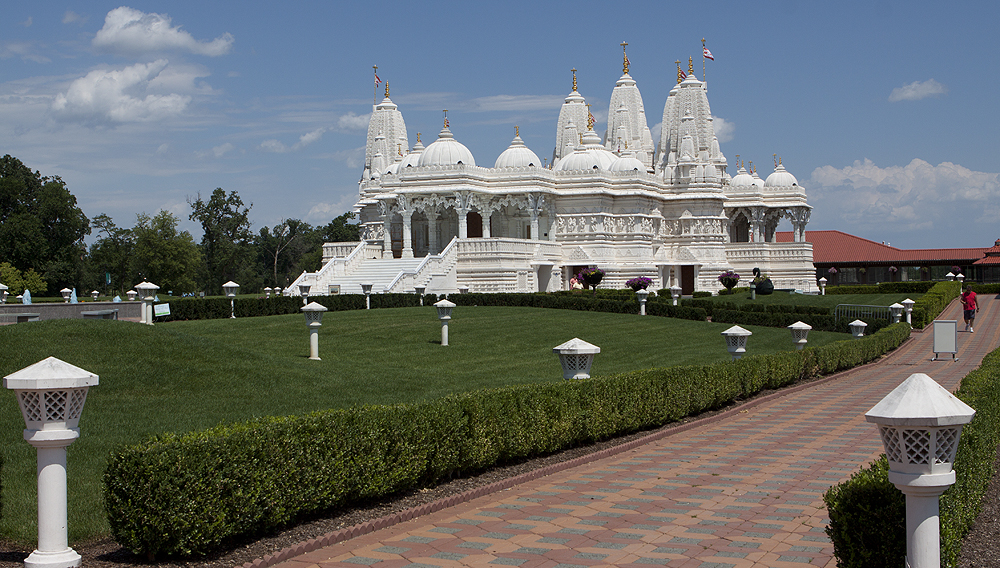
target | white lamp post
x=908, y=305
x=800, y=332
x=736, y=341
x=643, y=295
x=367, y=289
x=51, y=394
x=420, y=292
x=753, y=290
x=960, y=277
x=131, y=295
x=66, y=292
x=463, y=289
x=950, y=276
x=230, y=289
x=314, y=319
x=267, y=291
x=920, y=424
x=94, y=294
x=444, y=308
x=675, y=293
x=3, y=294
x=576, y=357
x=857, y=328
x=304, y=292
x=897, y=312
x=147, y=292
x=822, y=286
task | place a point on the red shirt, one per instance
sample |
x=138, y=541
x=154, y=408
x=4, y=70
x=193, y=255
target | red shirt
x=969, y=300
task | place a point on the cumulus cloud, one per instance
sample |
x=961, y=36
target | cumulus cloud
x=351, y=121
x=724, y=130
x=119, y=96
x=915, y=197
x=27, y=23
x=322, y=213
x=917, y=90
x=130, y=32
x=352, y=158
x=71, y=17
x=274, y=145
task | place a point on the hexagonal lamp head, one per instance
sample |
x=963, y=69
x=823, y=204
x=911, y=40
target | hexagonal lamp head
x=51, y=393
x=419, y=290
x=736, y=341
x=147, y=291
x=66, y=293
x=920, y=423
x=800, y=332
x=897, y=311
x=304, y=289
x=131, y=295
x=367, y=289
x=314, y=314
x=908, y=305
x=823, y=281
x=95, y=294
x=857, y=328
x=675, y=292
x=463, y=289
x=950, y=276
x=444, y=308
x=576, y=357
x=3, y=294
x=230, y=289
x=643, y=294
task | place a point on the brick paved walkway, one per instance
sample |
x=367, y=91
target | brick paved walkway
x=740, y=489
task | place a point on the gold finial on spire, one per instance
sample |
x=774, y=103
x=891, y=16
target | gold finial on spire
x=517, y=131
x=590, y=119
x=625, y=63
x=680, y=74
x=446, y=118
x=775, y=158
x=581, y=139
x=418, y=138
x=779, y=160
x=399, y=149
x=690, y=66
x=574, y=78
x=387, y=89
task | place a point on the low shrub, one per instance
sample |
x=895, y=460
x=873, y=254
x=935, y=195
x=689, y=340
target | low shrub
x=819, y=322
x=218, y=308
x=187, y=495
x=868, y=514
x=883, y=288
x=933, y=302
x=701, y=294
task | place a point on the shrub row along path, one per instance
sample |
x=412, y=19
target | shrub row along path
x=739, y=489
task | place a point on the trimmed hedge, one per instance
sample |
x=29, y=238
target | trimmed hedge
x=933, y=302
x=782, y=319
x=584, y=302
x=218, y=308
x=868, y=514
x=187, y=495
x=883, y=288
x=711, y=307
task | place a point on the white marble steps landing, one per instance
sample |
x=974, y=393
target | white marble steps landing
x=377, y=271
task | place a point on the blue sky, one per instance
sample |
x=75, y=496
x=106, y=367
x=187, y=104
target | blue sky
x=884, y=111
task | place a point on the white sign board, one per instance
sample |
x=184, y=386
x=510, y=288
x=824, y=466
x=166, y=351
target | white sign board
x=161, y=310
x=945, y=338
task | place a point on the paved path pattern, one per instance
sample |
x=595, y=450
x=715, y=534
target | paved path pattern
x=742, y=489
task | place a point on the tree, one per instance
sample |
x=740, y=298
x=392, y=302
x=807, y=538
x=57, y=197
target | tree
x=18, y=282
x=336, y=231
x=41, y=226
x=112, y=253
x=169, y=259
x=226, y=243
x=283, y=246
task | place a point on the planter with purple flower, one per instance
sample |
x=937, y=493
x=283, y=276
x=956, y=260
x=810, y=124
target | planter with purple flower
x=592, y=276
x=729, y=279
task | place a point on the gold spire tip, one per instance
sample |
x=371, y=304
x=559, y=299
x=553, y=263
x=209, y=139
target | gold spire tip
x=574, y=78
x=387, y=89
x=690, y=65
x=517, y=131
x=625, y=63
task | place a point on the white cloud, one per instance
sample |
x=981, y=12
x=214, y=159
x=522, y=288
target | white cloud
x=915, y=197
x=724, y=130
x=351, y=121
x=515, y=102
x=276, y=146
x=323, y=213
x=221, y=150
x=71, y=17
x=119, y=96
x=917, y=90
x=353, y=158
x=130, y=32
x=27, y=23
x=23, y=50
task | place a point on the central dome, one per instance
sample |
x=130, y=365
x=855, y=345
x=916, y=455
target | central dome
x=517, y=155
x=446, y=151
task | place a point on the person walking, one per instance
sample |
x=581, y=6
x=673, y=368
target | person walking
x=970, y=305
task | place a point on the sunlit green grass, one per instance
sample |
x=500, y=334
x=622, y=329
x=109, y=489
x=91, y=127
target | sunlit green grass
x=185, y=376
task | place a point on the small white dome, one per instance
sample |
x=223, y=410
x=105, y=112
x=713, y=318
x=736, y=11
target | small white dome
x=517, y=155
x=446, y=151
x=592, y=144
x=780, y=177
x=741, y=179
x=580, y=159
x=413, y=158
x=757, y=181
x=394, y=168
x=627, y=163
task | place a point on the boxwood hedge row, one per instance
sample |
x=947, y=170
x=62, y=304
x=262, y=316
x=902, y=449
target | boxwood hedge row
x=883, y=288
x=868, y=514
x=187, y=495
x=933, y=302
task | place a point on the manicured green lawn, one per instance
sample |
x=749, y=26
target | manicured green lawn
x=186, y=376
x=830, y=300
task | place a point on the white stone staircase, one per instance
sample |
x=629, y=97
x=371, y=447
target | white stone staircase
x=380, y=272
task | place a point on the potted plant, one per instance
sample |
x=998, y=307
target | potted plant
x=762, y=283
x=729, y=279
x=639, y=283
x=593, y=277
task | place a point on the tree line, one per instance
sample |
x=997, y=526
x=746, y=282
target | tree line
x=42, y=246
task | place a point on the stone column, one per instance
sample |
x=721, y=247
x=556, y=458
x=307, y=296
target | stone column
x=552, y=223
x=407, y=233
x=463, y=224
x=486, y=223
x=432, y=237
x=387, y=236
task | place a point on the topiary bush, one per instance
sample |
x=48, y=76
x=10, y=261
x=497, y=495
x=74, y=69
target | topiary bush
x=187, y=495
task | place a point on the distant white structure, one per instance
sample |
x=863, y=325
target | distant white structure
x=430, y=216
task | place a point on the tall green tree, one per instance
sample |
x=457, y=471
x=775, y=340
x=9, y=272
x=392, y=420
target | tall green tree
x=339, y=230
x=164, y=256
x=227, y=240
x=282, y=247
x=111, y=254
x=41, y=226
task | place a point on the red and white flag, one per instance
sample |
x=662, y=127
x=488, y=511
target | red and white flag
x=377, y=80
x=708, y=54
x=682, y=74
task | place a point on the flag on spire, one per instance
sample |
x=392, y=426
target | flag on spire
x=708, y=54
x=377, y=80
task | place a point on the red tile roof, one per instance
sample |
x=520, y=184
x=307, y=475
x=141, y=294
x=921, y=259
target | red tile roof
x=837, y=247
